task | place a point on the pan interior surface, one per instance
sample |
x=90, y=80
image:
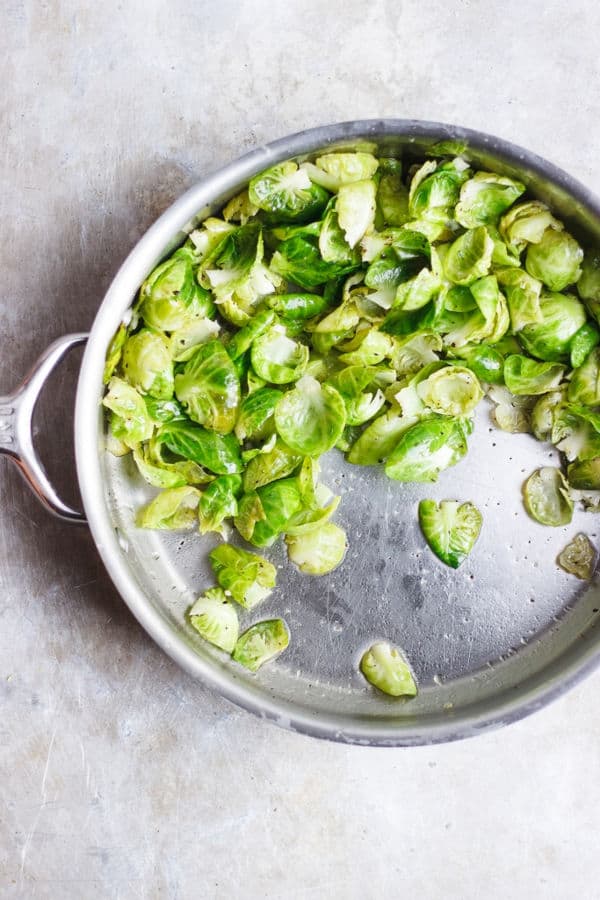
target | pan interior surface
x=488, y=642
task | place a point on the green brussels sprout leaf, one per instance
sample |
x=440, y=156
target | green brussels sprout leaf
x=173, y=510
x=547, y=497
x=277, y=358
x=450, y=528
x=542, y=414
x=279, y=502
x=585, y=383
x=582, y=344
x=243, y=339
x=311, y=417
x=218, y=502
x=215, y=619
x=209, y=388
x=379, y=438
x=247, y=577
x=485, y=361
x=131, y=423
x=525, y=224
x=384, y=667
x=184, y=342
x=584, y=474
x=428, y=448
x=318, y=551
x=484, y=197
x=298, y=307
x=346, y=168
x=147, y=364
x=588, y=285
x=523, y=297
x=277, y=462
x=255, y=418
x=469, y=257
x=114, y=352
x=216, y=452
x=287, y=192
x=555, y=260
x=261, y=643
x=171, y=298
x=355, y=208
x=525, y=376
x=550, y=338
x=451, y=391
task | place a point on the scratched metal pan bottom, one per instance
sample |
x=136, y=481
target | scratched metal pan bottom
x=489, y=643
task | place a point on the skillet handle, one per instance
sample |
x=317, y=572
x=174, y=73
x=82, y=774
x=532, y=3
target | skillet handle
x=16, y=438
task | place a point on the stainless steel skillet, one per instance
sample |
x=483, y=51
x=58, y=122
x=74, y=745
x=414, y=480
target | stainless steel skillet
x=490, y=642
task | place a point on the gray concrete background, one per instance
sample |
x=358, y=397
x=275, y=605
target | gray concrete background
x=119, y=776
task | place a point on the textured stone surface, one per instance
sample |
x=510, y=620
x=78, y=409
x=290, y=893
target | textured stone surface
x=119, y=776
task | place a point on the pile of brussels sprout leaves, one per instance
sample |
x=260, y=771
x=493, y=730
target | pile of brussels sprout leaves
x=347, y=303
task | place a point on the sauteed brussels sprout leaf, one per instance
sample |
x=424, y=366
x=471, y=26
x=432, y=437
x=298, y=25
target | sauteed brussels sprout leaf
x=171, y=297
x=555, y=259
x=288, y=194
x=319, y=550
x=260, y=643
x=114, y=352
x=217, y=452
x=310, y=418
x=208, y=388
x=583, y=343
x=450, y=528
x=219, y=503
x=427, y=448
x=246, y=576
x=485, y=197
x=346, y=168
x=523, y=375
x=562, y=315
x=215, y=618
x=362, y=304
x=585, y=383
x=384, y=667
x=451, y=391
x=130, y=421
x=147, y=364
x=174, y=509
x=547, y=498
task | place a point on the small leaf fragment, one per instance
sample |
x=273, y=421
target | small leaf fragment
x=579, y=557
